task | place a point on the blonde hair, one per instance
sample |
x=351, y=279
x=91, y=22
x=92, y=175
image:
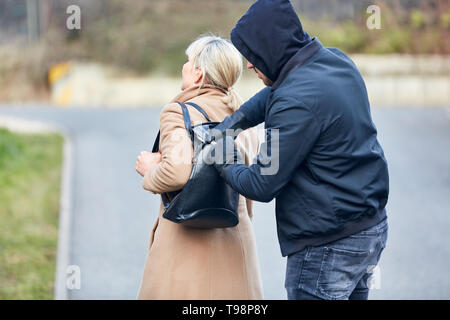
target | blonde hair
x=220, y=63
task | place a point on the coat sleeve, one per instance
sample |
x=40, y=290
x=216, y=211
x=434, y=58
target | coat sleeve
x=175, y=145
x=298, y=130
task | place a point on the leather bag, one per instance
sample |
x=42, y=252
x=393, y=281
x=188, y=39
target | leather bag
x=206, y=201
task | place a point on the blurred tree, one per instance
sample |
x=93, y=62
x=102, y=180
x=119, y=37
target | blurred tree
x=144, y=36
x=417, y=19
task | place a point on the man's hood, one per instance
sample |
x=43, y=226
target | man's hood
x=268, y=35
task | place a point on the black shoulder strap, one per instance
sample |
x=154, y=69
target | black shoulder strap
x=186, y=117
x=188, y=125
x=187, y=121
x=199, y=109
x=156, y=143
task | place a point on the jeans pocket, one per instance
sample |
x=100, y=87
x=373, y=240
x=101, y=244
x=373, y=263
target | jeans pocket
x=340, y=272
x=294, y=267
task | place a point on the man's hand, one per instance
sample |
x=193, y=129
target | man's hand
x=231, y=125
x=224, y=152
x=145, y=160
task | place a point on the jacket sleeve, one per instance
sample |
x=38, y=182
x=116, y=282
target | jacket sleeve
x=173, y=172
x=249, y=115
x=254, y=109
x=298, y=131
x=248, y=144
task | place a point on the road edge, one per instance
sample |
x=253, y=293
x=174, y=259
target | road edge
x=65, y=218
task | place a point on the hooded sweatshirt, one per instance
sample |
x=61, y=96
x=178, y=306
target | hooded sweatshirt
x=278, y=25
x=324, y=164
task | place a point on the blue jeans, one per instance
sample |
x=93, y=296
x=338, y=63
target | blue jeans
x=340, y=270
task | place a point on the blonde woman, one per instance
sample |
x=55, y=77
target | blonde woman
x=184, y=263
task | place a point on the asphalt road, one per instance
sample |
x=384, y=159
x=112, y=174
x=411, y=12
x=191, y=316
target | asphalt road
x=112, y=215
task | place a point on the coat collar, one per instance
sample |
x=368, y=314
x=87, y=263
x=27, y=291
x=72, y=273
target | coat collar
x=298, y=60
x=197, y=90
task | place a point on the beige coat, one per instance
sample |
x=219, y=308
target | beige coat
x=185, y=263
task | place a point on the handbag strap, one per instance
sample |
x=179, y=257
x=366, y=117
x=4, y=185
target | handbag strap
x=156, y=143
x=188, y=125
x=199, y=109
x=187, y=118
x=187, y=121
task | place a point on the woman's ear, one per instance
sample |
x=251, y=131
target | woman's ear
x=198, y=75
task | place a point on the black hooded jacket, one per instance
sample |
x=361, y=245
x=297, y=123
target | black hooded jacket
x=325, y=166
x=278, y=25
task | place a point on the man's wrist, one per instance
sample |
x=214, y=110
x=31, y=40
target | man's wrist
x=229, y=126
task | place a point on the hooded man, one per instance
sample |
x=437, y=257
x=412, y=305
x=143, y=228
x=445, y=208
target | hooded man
x=332, y=183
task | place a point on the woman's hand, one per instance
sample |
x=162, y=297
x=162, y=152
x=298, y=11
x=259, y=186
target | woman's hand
x=145, y=160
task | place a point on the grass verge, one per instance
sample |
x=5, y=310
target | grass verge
x=30, y=174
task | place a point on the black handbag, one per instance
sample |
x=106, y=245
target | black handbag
x=206, y=201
